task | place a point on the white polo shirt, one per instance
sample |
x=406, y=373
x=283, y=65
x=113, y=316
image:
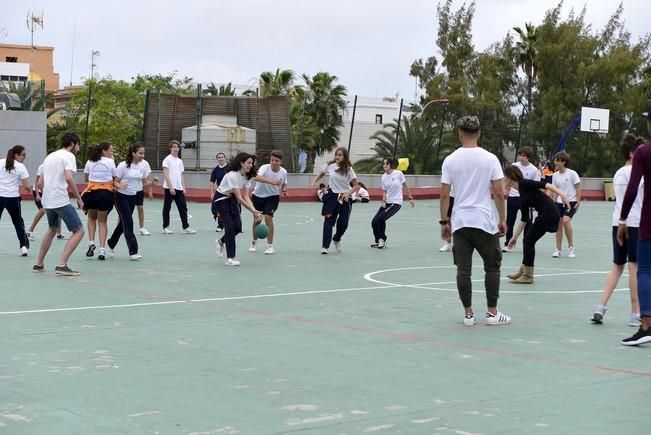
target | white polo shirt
x=529, y=172
x=101, y=171
x=132, y=176
x=392, y=185
x=566, y=182
x=339, y=183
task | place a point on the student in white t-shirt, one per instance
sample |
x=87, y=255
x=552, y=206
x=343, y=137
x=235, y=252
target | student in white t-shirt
x=337, y=203
x=529, y=172
x=568, y=181
x=393, y=182
x=98, y=196
x=232, y=192
x=627, y=252
x=361, y=195
x=58, y=179
x=476, y=174
x=13, y=174
x=132, y=176
x=174, y=187
x=271, y=182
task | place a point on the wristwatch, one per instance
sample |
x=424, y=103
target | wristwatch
x=443, y=222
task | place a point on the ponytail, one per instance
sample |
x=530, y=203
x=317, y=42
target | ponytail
x=11, y=157
x=96, y=153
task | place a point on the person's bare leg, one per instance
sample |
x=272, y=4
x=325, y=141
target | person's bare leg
x=45, y=245
x=559, y=235
x=141, y=216
x=632, y=285
x=569, y=231
x=269, y=220
x=611, y=283
x=71, y=245
x=102, y=218
x=37, y=218
x=92, y=224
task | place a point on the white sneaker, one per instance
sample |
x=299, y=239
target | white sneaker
x=470, y=320
x=381, y=244
x=556, y=253
x=135, y=257
x=219, y=230
x=506, y=249
x=101, y=254
x=189, y=216
x=30, y=236
x=144, y=232
x=497, y=319
x=338, y=246
x=324, y=251
x=447, y=247
x=189, y=230
x=220, y=248
x=231, y=262
x=269, y=250
x=109, y=253
x=23, y=251
x=253, y=247
x=571, y=253
x=167, y=231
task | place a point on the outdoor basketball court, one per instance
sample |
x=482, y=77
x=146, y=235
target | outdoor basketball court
x=362, y=341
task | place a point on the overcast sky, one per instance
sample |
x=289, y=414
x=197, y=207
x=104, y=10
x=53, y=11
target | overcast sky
x=368, y=44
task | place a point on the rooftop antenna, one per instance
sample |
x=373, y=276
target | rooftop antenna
x=34, y=20
x=3, y=32
x=74, y=39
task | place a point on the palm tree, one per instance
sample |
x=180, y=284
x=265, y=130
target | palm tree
x=226, y=90
x=324, y=106
x=526, y=56
x=278, y=83
x=29, y=94
x=417, y=142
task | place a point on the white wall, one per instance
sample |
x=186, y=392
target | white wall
x=28, y=129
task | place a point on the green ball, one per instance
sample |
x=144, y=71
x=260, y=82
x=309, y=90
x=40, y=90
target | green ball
x=261, y=231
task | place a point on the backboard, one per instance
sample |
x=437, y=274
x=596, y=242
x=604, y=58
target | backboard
x=594, y=120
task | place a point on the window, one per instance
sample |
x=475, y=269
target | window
x=11, y=59
x=378, y=118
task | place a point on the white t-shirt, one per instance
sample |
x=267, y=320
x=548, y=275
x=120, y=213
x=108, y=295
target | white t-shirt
x=55, y=187
x=566, y=183
x=529, y=172
x=10, y=181
x=39, y=173
x=471, y=171
x=360, y=194
x=132, y=176
x=175, y=172
x=339, y=183
x=101, y=171
x=620, y=182
x=264, y=190
x=392, y=185
x=232, y=180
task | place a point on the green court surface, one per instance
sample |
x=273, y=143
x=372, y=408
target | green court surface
x=362, y=341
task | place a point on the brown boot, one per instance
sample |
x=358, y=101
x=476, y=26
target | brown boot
x=526, y=277
x=517, y=274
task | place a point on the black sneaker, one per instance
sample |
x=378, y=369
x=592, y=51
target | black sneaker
x=38, y=268
x=374, y=245
x=640, y=337
x=91, y=250
x=65, y=270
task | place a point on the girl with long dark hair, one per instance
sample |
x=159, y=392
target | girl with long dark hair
x=337, y=203
x=132, y=175
x=13, y=174
x=233, y=192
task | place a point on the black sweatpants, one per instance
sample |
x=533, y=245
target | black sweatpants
x=229, y=210
x=181, y=205
x=13, y=208
x=379, y=222
x=334, y=213
x=124, y=204
x=532, y=234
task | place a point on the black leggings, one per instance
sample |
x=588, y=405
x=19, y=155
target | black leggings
x=532, y=234
x=124, y=204
x=379, y=222
x=181, y=205
x=13, y=207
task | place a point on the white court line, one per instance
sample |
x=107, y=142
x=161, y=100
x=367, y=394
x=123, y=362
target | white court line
x=190, y=301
